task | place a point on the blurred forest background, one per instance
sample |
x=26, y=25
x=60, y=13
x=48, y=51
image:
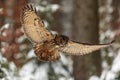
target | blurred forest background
x=91, y=21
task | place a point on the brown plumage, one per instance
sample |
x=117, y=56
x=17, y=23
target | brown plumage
x=46, y=45
x=46, y=51
x=33, y=26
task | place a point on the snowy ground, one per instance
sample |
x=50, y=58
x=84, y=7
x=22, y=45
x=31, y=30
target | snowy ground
x=112, y=73
x=33, y=71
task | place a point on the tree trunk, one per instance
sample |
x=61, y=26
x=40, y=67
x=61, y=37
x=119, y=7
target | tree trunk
x=12, y=16
x=63, y=17
x=115, y=22
x=57, y=26
x=85, y=29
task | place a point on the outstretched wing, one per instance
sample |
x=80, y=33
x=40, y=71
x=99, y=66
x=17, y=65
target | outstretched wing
x=75, y=48
x=33, y=26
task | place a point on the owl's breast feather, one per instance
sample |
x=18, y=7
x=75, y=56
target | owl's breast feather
x=46, y=52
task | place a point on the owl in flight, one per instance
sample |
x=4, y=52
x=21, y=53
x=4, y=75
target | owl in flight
x=48, y=46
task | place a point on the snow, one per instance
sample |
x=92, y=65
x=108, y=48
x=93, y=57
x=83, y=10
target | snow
x=30, y=54
x=116, y=62
x=35, y=72
x=67, y=61
x=32, y=71
x=40, y=8
x=105, y=64
x=41, y=72
x=109, y=72
x=53, y=8
x=2, y=59
x=59, y=69
x=6, y=25
x=110, y=76
x=63, y=78
x=46, y=23
x=94, y=78
x=115, y=68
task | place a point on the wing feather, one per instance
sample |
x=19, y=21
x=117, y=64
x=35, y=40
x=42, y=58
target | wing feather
x=33, y=26
x=75, y=48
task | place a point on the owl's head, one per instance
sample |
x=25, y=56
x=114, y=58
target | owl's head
x=61, y=40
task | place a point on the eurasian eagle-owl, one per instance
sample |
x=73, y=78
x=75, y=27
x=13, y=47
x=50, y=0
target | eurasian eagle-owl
x=47, y=45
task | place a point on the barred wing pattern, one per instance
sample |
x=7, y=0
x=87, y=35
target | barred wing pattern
x=75, y=48
x=33, y=26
